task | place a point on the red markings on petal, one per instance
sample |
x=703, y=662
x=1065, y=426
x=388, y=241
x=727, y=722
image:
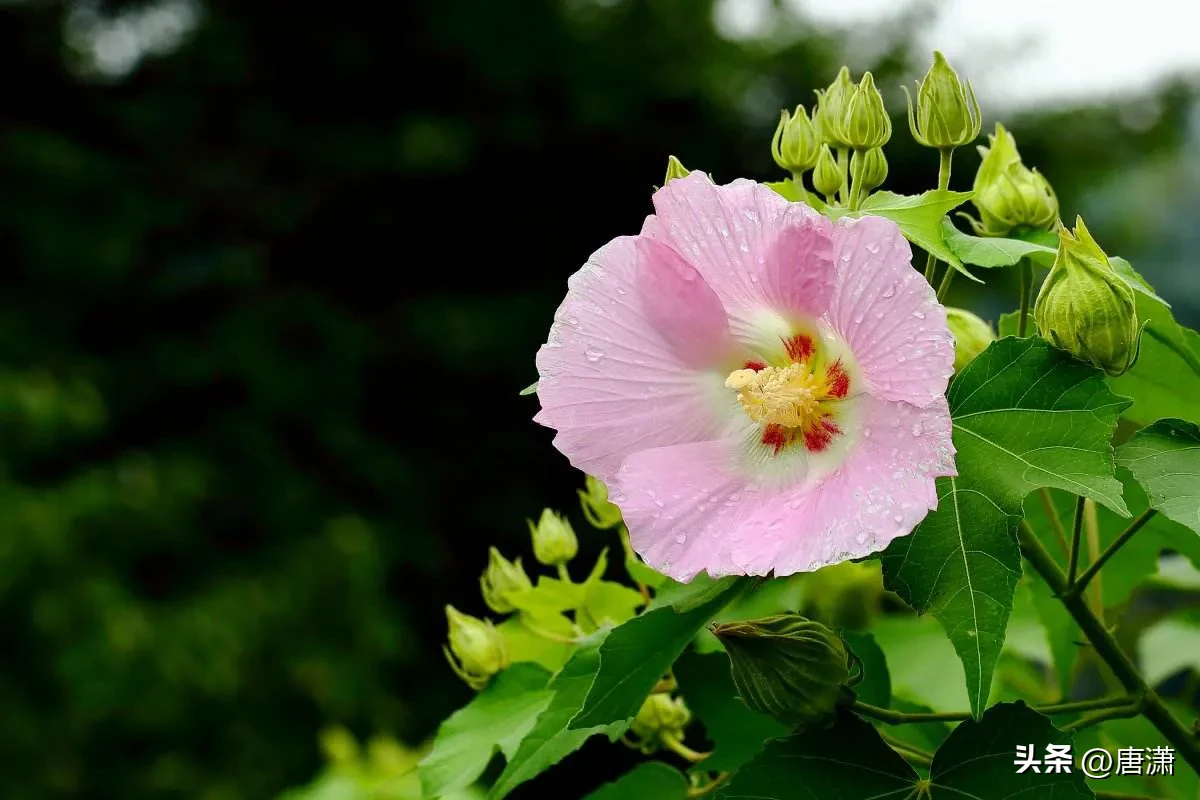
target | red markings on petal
x=775, y=437
x=837, y=381
x=799, y=347
x=755, y=365
x=818, y=437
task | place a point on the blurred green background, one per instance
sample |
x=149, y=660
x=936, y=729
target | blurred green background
x=273, y=277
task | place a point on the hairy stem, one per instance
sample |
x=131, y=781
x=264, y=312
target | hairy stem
x=1077, y=586
x=1122, y=712
x=944, y=158
x=1055, y=522
x=890, y=717
x=1076, y=530
x=1107, y=648
x=911, y=753
x=1026, y=271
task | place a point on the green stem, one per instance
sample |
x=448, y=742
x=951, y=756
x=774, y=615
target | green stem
x=1055, y=522
x=562, y=572
x=843, y=162
x=910, y=752
x=1077, y=586
x=855, y=183
x=1076, y=530
x=798, y=182
x=944, y=286
x=944, y=158
x=1122, y=712
x=682, y=750
x=1107, y=648
x=890, y=717
x=1026, y=270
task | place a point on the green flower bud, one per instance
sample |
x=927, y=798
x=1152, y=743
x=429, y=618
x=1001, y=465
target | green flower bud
x=675, y=169
x=832, y=105
x=972, y=335
x=866, y=124
x=594, y=499
x=796, y=143
x=554, y=540
x=787, y=666
x=869, y=168
x=659, y=717
x=499, y=579
x=827, y=178
x=947, y=114
x=476, y=651
x=1086, y=308
x=1007, y=193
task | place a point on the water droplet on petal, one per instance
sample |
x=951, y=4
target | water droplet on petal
x=916, y=429
x=919, y=314
x=593, y=355
x=681, y=538
x=889, y=292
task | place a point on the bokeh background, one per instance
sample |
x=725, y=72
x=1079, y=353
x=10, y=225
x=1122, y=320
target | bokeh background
x=274, y=274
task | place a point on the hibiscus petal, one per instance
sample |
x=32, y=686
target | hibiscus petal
x=751, y=245
x=681, y=307
x=888, y=314
x=608, y=382
x=691, y=507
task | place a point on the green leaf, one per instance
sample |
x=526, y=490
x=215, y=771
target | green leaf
x=1139, y=733
x=608, y=603
x=920, y=219
x=528, y=390
x=922, y=664
x=848, y=761
x=551, y=740
x=977, y=759
x=549, y=596
x=986, y=251
x=1165, y=381
x=1061, y=631
x=786, y=189
x=737, y=732
x=524, y=644
x=652, y=779
x=1025, y=416
x=876, y=684
x=498, y=718
x=636, y=655
x=1165, y=460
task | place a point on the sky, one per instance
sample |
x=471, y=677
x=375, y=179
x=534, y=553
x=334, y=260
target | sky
x=1020, y=53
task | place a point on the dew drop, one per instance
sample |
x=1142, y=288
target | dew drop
x=898, y=518
x=681, y=538
x=916, y=429
x=593, y=355
x=890, y=291
x=919, y=314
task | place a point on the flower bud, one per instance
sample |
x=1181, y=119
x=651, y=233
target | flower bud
x=660, y=716
x=866, y=124
x=476, y=651
x=594, y=499
x=1007, y=193
x=1086, y=308
x=827, y=178
x=499, y=579
x=675, y=169
x=554, y=541
x=796, y=144
x=786, y=666
x=972, y=335
x=869, y=168
x=947, y=114
x=832, y=105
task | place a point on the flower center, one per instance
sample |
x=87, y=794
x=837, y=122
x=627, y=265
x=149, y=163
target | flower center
x=787, y=396
x=795, y=401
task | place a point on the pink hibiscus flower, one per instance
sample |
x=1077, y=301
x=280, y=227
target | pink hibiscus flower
x=762, y=389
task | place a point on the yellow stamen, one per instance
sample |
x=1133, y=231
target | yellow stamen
x=789, y=396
